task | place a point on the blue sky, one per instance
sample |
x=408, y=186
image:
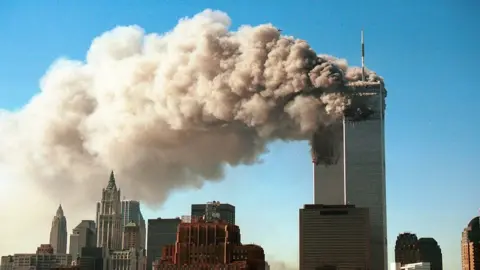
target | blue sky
x=427, y=53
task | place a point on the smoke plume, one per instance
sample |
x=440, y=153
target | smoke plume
x=169, y=111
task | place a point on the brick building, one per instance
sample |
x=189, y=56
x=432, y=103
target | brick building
x=210, y=245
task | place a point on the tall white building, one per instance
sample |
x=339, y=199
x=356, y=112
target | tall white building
x=109, y=217
x=58, y=232
x=131, y=212
x=351, y=165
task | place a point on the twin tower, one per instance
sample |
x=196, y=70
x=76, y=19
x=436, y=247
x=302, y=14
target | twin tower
x=349, y=173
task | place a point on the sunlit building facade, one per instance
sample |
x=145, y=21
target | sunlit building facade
x=471, y=245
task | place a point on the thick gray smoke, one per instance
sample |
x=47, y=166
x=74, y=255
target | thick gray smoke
x=170, y=111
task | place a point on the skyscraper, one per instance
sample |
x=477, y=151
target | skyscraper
x=411, y=250
x=58, y=232
x=131, y=212
x=334, y=237
x=82, y=236
x=161, y=232
x=349, y=166
x=471, y=245
x=406, y=249
x=131, y=236
x=109, y=217
x=430, y=252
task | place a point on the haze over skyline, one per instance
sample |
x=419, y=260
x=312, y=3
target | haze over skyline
x=427, y=61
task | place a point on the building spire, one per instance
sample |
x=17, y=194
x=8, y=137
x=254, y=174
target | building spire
x=111, y=181
x=60, y=211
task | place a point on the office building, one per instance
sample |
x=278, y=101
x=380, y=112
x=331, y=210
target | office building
x=349, y=163
x=430, y=252
x=201, y=244
x=410, y=250
x=406, y=249
x=6, y=262
x=131, y=212
x=334, y=237
x=43, y=259
x=131, y=236
x=129, y=259
x=109, y=218
x=471, y=245
x=58, y=232
x=94, y=258
x=225, y=211
x=161, y=232
x=82, y=236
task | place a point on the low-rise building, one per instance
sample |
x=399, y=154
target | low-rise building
x=130, y=259
x=44, y=259
x=412, y=266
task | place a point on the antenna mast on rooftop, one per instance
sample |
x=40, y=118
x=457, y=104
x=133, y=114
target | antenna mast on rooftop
x=363, y=57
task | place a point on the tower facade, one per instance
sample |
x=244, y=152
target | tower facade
x=430, y=252
x=349, y=163
x=334, y=237
x=131, y=236
x=161, y=232
x=406, y=249
x=109, y=217
x=82, y=236
x=131, y=212
x=471, y=245
x=58, y=232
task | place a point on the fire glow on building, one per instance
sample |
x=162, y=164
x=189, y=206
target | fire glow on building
x=210, y=244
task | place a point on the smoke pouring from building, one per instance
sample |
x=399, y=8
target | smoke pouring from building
x=169, y=111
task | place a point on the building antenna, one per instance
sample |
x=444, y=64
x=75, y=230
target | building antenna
x=363, y=56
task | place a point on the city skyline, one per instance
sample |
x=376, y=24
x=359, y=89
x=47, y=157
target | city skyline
x=440, y=166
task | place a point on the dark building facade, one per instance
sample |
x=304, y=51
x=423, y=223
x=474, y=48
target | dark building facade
x=409, y=249
x=430, y=251
x=406, y=249
x=334, y=237
x=471, y=245
x=93, y=258
x=161, y=232
x=225, y=210
x=210, y=245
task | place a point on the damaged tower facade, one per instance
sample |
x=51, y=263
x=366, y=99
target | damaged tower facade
x=349, y=162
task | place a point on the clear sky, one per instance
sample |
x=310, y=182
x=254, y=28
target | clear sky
x=427, y=51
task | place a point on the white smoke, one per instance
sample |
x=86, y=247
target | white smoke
x=169, y=111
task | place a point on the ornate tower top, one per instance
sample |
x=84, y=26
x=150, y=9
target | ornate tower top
x=59, y=211
x=111, y=182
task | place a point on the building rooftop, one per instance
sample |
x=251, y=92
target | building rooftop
x=325, y=206
x=131, y=224
x=474, y=223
